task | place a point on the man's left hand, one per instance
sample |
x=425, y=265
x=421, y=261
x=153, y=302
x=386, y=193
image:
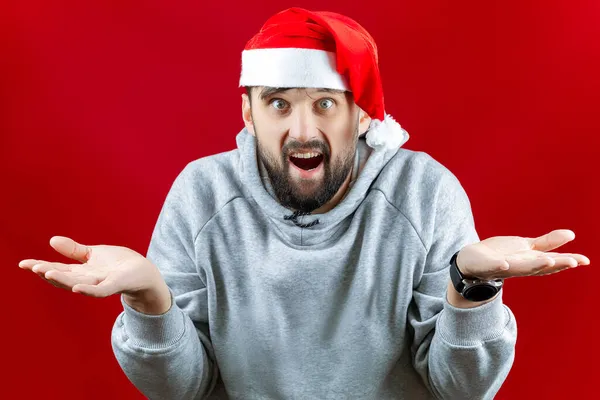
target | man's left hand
x=511, y=256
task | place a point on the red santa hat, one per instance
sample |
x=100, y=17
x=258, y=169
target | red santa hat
x=321, y=49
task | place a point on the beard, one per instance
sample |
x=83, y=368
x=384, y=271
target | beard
x=307, y=196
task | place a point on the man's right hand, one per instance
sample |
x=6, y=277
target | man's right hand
x=105, y=270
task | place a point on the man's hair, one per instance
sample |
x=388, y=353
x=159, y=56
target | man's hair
x=249, y=92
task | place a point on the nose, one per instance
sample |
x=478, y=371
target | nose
x=303, y=125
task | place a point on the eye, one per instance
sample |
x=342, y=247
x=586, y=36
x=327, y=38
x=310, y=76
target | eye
x=326, y=103
x=279, y=104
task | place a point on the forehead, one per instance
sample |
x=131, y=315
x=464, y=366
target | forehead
x=264, y=92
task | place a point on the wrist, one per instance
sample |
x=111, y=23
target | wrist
x=455, y=299
x=468, y=291
x=155, y=300
x=460, y=261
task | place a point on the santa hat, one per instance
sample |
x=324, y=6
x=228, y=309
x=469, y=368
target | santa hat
x=301, y=48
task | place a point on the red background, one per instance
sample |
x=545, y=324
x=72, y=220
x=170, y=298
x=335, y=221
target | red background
x=101, y=105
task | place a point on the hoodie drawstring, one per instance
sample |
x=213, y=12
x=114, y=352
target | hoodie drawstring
x=294, y=218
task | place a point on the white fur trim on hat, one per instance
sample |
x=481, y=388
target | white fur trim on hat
x=387, y=134
x=291, y=67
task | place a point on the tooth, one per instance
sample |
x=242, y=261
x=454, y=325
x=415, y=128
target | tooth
x=305, y=155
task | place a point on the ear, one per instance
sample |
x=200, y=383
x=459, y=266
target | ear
x=363, y=121
x=247, y=114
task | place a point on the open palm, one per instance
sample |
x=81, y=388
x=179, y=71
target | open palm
x=512, y=256
x=101, y=270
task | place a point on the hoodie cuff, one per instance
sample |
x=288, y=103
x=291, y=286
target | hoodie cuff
x=153, y=331
x=472, y=326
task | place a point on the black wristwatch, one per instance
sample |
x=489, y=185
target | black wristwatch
x=473, y=289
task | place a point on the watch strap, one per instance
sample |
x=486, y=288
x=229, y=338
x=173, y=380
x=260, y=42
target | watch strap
x=472, y=289
x=455, y=275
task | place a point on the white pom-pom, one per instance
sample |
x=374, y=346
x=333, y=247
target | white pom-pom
x=387, y=134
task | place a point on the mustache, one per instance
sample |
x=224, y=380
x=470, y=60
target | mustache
x=313, y=145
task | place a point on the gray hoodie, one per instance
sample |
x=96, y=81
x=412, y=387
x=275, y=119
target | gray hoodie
x=352, y=307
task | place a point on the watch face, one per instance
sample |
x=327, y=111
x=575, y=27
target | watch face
x=480, y=292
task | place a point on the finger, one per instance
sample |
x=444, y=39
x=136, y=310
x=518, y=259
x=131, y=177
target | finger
x=551, y=271
x=103, y=289
x=525, y=267
x=48, y=266
x=561, y=263
x=552, y=240
x=69, y=279
x=70, y=248
x=55, y=284
x=580, y=258
x=29, y=263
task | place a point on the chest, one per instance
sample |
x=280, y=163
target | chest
x=366, y=268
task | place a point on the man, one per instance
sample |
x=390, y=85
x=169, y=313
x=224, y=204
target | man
x=318, y=260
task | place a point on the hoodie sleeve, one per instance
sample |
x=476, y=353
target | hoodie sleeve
x=459, y=353
x=170, y=356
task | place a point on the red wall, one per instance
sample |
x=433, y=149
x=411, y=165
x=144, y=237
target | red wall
x=102, y=105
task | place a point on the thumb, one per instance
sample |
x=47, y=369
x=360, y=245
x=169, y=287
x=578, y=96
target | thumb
x=552, y=240
x=103, y=289
x=70, y=248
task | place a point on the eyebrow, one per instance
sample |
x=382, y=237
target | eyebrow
x=269, y=91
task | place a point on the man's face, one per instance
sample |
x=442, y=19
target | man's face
x=306, y=141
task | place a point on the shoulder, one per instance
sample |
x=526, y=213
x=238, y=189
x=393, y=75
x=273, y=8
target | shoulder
x=221, y=168
x=424, y=190
x=415, y=174
x=204, y=186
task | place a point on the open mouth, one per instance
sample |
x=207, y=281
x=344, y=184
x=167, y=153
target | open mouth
x=306, y=161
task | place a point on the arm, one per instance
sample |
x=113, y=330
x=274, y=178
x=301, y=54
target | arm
x=459, y=352
x=169, y=355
